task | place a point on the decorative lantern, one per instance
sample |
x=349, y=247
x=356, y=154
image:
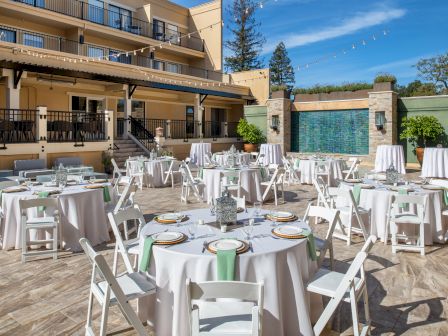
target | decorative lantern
x=380, y=119
x=391, y=175
x=226, y=209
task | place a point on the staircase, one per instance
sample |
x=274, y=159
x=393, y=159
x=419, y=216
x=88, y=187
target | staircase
x=127, y=148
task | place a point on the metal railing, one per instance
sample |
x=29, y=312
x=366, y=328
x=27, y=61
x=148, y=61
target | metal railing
x=213, y=129
x=57, y=43
x=76, y=126
x=120, y=127
x=114, y=18
x=231, y=129
x=18, y=126
x=143, y=135
x=183, y=129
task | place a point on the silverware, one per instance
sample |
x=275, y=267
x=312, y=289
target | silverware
x=250, y=247
x=204, y=246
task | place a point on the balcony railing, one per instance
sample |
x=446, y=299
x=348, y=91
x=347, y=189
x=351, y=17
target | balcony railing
x=56, y=43
x=115, y=18
x=18, y=126
x=231, y=129
x=76, y=126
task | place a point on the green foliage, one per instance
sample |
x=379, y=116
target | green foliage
x=247, y=41
x=279, y=88
x=416, y=88
x=249, y=132
x=333, y=88
x=435, y=70
x=106, y=160
x=385, y=78
x=420, y=130
x=282, y=72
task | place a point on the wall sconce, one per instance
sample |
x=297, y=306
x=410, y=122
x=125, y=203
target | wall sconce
x=380, y=119
x=275, y=123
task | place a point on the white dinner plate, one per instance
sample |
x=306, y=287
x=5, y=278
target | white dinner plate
x=288, y=230
x=168, y=236
x=282, y=214
x=170, y=216
x=226, y=244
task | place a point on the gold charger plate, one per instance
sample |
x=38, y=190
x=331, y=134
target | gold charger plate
x=93, y=186
x=180, y=240
x=283, y=220
x=14, y=189
x=168, y=221
x=244, y=249
x=297, y=236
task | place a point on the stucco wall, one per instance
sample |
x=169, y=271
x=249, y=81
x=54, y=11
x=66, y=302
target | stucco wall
x=257, y=115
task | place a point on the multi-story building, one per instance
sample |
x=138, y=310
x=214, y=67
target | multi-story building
x=76, y=75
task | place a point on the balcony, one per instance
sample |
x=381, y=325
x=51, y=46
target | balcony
x=120, y=19
x=61, y=44
x=18, y=126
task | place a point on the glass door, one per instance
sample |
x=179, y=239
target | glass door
x=158, y=30
x=96, y=11
x=189, y=122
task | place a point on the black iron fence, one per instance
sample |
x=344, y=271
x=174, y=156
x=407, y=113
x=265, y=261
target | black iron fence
x=142, y=134
x=231, y=129
x=213, y=129
x=119, y=18
x=18, y=126
x=76, y=126
x=184, y=129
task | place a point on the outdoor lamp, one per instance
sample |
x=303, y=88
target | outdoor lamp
x=380, y=118
x=275, y=122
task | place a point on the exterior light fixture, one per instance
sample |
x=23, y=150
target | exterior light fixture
x=275, y=123
x=380, y=119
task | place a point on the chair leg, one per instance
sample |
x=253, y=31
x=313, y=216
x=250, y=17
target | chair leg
x=104, y=316
x=349, y=231
x=331, y=257
x=115, y=262
x=366, y=309
x=355, y=317
x=125, y=229
x=283, y=194
x=55, y=243
x=24, y=247
x=275, y=195
x=89, y=311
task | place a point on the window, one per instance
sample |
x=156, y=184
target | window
x=7, y=35
x=33, y=40
x=120, y=105
x=172, y=34
x=120, y=18
x=79, y=103
x=113, y=56
x=138, y=109
x=95, y=52
x=189, y=121
x=158, y=65
x=36, y=3
x=172, y=67
x=96, y=11
x=158, y=30
x=84, y=104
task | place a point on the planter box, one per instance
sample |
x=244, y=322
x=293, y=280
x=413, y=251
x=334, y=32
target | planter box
x=386, y=86
x=337, y=95
x=282, y=94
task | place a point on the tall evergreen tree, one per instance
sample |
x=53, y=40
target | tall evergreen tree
x=247, y=41
x=282, y=73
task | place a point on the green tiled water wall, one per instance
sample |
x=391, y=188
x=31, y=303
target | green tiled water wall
x=341, y=131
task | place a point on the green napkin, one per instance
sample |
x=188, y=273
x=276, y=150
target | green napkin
x=402, y=192
x=356, y=193
x=201, y=172
x=106, y=195
x=296, y=164
x=226, y=264
x=263, y=173
x=140, y=164
x=445, y=196
x=311, y=244
x=42, y=194
x=146, y=257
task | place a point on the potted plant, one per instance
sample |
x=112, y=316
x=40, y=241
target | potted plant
x=106, y=160
x=280, y=91
x=421, y=131
x=251, y=134
x=384, y=82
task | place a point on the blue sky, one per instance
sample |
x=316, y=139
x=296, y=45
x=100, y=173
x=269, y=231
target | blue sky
x=320, y=29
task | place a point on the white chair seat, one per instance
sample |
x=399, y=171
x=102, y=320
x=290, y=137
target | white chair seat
x=326, y=282
x=132, y=246
x=41, y=222
x=319, y=243
x=346, y=210
x=219, y=318
x=134, y=285
x=406, y=218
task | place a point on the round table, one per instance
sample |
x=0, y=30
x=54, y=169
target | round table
x=221, y=158
x=283, y=265
x=198, y=151
x=435, y=162
x=378, y=201
x=82, y=214
x=307, y=170
x=387, y=155
x=250, y=182
x=272, y=153
x=153, y=172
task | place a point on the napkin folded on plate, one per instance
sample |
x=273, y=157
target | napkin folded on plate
x=226, y=264
x=357, y=193
x=146, y=256
x=42, y=194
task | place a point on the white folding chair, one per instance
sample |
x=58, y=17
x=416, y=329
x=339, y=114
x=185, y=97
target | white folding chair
x=322, y=170
x=109, y=290
x=240, y=202
x=323, y=245
x=4, y=185
x=323, y=198
x=172, y=173
x=353, y=170
x=127, y=246
x=47, y=223
x=351, y=213
x=290, y=174
x=126, y=201
x=118, y=173
x=230, y=180
x=274, y=184
x=136, y=169
x=239, y=314
x=399, y=215
x=189, y=183
x=260, y=160
x=342, y=287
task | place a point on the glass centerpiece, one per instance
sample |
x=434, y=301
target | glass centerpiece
x=392, y=175
x=225, y=209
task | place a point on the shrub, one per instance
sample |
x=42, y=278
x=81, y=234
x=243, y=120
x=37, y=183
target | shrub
x=421, y=129
x=249, y=132
x=279, y=88
x=333, y=88
x=385, y=78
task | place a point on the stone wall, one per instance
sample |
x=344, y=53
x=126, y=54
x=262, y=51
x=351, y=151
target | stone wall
x=282, y=108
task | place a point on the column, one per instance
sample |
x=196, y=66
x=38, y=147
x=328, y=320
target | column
x=12, y=93
x=199, y=112
x=41, y=131
x=108, y=125
x=127, y=114
x=279, y=108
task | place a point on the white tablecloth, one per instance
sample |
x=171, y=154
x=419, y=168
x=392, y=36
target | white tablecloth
x=307, y=168
x=221, y=159
x=435, y=162
x=387, y=155
x=378, y=200
x=283, y=265
x=250, y=179
x=81, y=210
x=272, y=153
x=197, y=152
x=153, y=172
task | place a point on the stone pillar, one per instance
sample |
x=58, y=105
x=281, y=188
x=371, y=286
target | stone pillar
x=199, y=112
x=41, y=131
x=109, y=125
x=281, y=108
x=127, y=114
x=382, y=101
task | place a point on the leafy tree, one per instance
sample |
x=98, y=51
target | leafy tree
x=435, y=69
x=247, y=41
x=417, y=88
x=282, y=73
